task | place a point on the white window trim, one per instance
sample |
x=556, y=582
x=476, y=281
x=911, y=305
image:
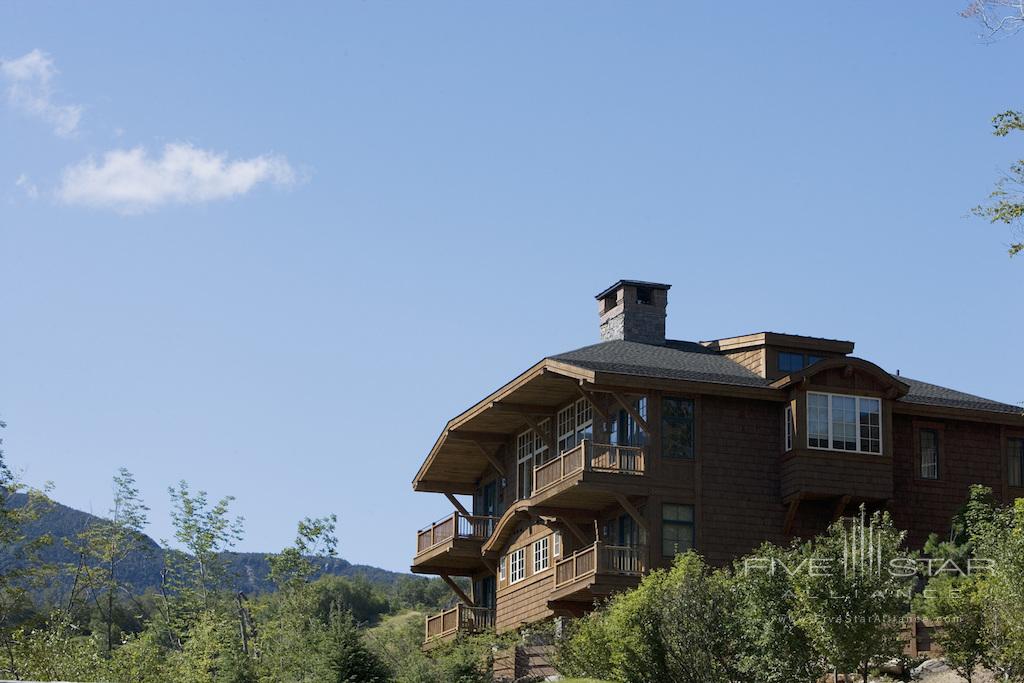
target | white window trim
x=881, y=429
x=556, y=551
x=501, y=568
x=541, y=550
x=789, y=428
x=516, y=557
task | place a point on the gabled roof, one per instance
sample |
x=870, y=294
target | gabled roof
x=675, y=360
x=691, y=361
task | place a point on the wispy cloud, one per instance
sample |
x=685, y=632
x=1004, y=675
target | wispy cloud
x=24, y=184
x=30, y=89
x=131, y=181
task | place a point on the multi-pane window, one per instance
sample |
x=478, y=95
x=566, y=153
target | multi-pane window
x=817, y=420
x=844, y=423
x=1015, y=458
x=676, y=427
x=517, y=565
x=557, y=550
x=501, y=568
x=625, y=431
x=929, y=444
x=575, y=423
x=676, y=529
x=541, y=556
x=789, y=428
x=531, y=451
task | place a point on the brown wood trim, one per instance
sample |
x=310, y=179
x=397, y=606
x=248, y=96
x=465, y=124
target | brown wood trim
x=633, y=512
x=457, y=590
x=963, y=414
x=632, y=412
x=608, y=382
x=787, y=526
x=940, y=429
x=458, y=506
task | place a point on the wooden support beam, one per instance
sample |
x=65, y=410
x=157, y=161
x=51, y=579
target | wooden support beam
x=458, y=591
x=632, y=511
x=574, y=530
x=458, y=506
x=490, y=564
x=480, y=437
x=521, y=408
x=794, y=504
x=547, y=436
x=593, y=404
x=632, y=412
x=840, y=507
x=491, y=458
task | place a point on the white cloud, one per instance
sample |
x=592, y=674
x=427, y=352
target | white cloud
x=29, y=89
x=27, y=186
x=130, y=181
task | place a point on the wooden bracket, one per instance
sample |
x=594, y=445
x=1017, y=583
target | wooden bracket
x=549, y=439
x=794, y=504
x=457, y=590
x=458, y=506
x=632, y=412
x=593, y=404
x=840, y=507
x=490, y=564
x=632, y=511
x=495, y=463
x=574, y=530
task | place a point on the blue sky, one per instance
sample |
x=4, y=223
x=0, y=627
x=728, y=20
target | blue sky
x=271, y=249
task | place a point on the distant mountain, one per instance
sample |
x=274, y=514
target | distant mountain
x=142, y=570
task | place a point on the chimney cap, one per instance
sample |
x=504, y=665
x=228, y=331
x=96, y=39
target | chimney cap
x=632, y=283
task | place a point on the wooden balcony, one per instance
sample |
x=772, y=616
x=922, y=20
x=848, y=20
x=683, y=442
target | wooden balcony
x=588, y=461
x=459, y=619
x=598, y=570
x=452, y=545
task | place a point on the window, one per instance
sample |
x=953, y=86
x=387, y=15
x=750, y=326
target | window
x=517, y=565
x=789, y=428
x=676, y=529
x=676, y=427
x=1016, y=461
x=624, y=429
x=790, y=362
x=541, y=558
x=811, y=360
x=928, y=440
x=575, y=423
x=844, y=423
x=501, y=568
x=531, y=452
x=644, y=296
x=557, y=551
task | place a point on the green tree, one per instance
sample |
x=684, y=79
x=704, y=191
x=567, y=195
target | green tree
x=1006, y=201
x=105, y=546
x=213, y=652
x=957, y=604
x=779, y=650
x=854, y=591
x=1002, y=545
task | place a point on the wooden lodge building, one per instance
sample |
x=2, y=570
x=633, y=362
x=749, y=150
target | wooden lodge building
x=596, y=465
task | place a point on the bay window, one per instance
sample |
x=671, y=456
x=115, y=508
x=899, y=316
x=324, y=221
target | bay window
x=844, y=423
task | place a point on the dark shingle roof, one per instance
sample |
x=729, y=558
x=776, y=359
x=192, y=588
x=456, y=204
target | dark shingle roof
x=934, y=395
x=694, y=362
x=675, y=360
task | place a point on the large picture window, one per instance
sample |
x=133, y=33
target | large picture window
x=676, y=529
x=676, y=427
x=1015, y=460
x=844, y=423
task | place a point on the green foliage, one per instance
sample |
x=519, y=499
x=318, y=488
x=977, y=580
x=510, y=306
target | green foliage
x=958, y=604
x=212, y=653
x=585, y=648
x=848, y=601
x=778, y=649
x=1006, y=202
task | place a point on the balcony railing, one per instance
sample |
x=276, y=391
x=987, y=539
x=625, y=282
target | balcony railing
x=455, y=525
x=589, y=456
x=599, y=558
x=458, y=619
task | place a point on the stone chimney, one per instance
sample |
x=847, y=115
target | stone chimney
x=633, y=310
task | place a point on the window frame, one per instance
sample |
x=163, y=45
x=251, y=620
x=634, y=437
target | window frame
x=693, y=426
x=502, y=574
x=574, y=423
x=541, y=549
x=516, y=557
x=858, y=426
x=788, y=430
x=676, y=523
x=1011, y=439
x=937, y=434
x=556, y=544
